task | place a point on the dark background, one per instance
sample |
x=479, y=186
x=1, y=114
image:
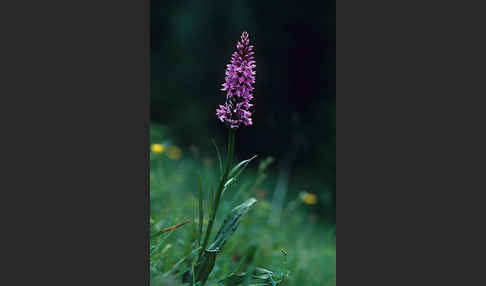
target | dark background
x=295, y=90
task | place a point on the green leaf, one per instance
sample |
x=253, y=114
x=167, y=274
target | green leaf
x=228, y=182
x=231, y=223
x=236, y=171
x=204, y=267
x=227, y=185
x=220, y=161
x=206, y=262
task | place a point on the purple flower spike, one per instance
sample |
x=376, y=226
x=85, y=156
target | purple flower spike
x=239, y=79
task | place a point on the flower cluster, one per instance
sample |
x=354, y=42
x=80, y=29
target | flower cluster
x=238, y=86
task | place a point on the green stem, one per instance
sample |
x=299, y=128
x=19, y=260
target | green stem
x=229, y=159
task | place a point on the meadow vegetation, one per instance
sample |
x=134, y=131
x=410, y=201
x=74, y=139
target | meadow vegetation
x=297, y=249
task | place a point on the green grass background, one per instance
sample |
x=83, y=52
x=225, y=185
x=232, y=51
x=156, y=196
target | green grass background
x=309, y=242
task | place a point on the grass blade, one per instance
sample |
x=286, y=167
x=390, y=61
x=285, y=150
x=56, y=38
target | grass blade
x=170, y=228
x=201, y=211
x=220, y=161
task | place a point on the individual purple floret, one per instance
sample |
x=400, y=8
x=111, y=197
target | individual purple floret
x=238, y=86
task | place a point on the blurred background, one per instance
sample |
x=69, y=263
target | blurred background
x=295, y=90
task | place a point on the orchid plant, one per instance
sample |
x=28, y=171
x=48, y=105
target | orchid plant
x=235, y=113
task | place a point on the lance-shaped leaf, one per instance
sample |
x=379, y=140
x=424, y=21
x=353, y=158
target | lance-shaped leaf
x=231, y=223
x=227, y=185
x=204, y=267
x=206, y=262
x=236, y=171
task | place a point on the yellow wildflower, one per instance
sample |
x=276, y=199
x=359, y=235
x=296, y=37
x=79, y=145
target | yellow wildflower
x=157, y=148
x=309, y=199
x=174, y=152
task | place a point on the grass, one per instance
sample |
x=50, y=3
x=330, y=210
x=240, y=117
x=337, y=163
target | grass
x=299, y=244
